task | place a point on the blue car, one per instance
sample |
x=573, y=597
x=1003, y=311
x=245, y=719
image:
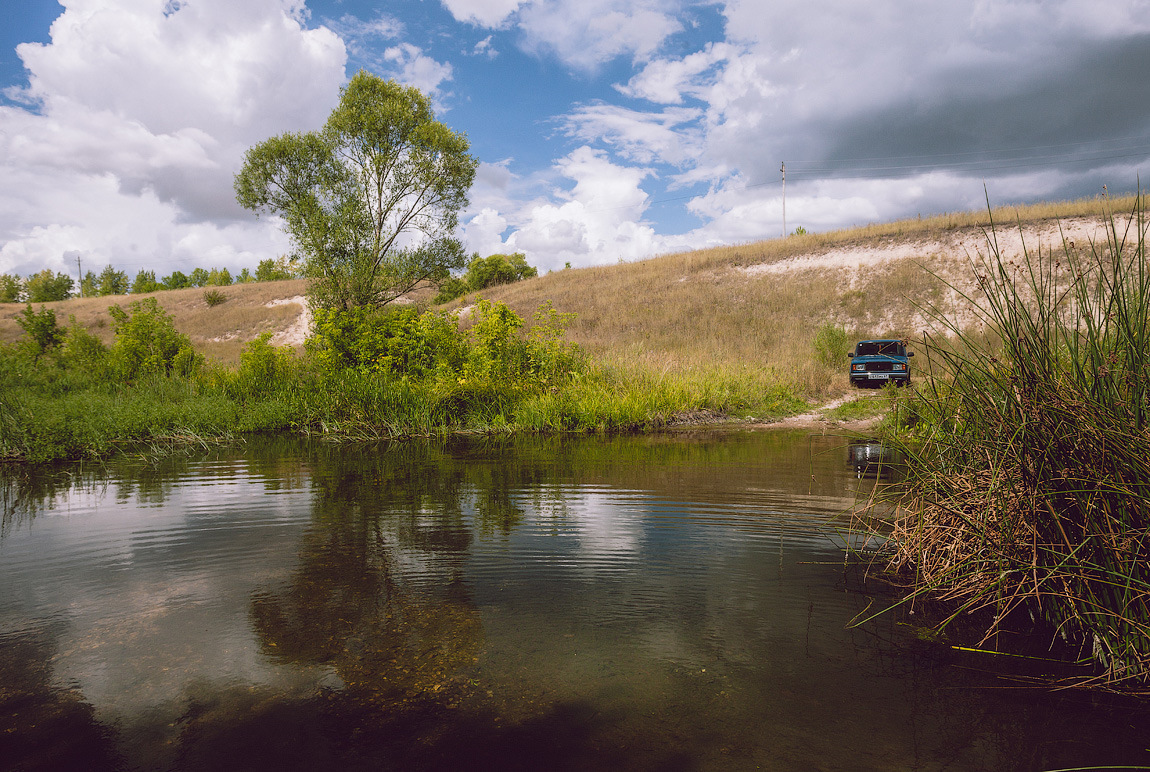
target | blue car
x=878, y=362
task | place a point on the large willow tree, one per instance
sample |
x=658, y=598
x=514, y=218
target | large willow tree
x=372, y=200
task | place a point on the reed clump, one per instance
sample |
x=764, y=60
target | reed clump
x=1028, y=478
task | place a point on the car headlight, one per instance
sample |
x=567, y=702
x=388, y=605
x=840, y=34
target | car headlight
x=858, y=367
x=899, y=367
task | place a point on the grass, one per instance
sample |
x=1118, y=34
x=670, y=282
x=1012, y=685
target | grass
x=1028, y=485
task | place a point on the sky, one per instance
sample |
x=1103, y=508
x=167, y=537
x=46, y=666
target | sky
x=606, y=130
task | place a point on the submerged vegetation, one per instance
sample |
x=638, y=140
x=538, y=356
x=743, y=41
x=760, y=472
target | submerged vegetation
x=1028, y=489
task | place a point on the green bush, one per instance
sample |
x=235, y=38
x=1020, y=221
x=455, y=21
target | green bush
x=44, y=334
x=83, y=350
x=484, y=272
x=832, y=345
x=214, y=297
x=147, y=342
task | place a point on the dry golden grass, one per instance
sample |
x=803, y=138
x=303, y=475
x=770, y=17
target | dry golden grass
x=710, y=310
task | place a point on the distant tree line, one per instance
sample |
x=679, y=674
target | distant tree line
x=47, y=286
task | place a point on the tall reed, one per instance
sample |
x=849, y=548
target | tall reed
x=1028, y=488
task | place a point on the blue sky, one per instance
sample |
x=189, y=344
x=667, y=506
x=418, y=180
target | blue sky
x=607, y=130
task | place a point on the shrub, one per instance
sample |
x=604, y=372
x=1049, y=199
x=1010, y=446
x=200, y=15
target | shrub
x=831, y=345
x=147, y=342
x=264, y=368
x=399, y=341
x=84, y=350
x=44, y=334
x=214, y=297
x=484, y=272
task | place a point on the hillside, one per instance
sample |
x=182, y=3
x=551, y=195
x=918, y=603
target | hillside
x=732, y=309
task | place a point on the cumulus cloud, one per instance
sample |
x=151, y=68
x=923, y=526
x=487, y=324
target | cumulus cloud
x=587, y=34
x=136, y=117
x=483, y=13
x=597, y=220
x=411, y=66
x=668, y=136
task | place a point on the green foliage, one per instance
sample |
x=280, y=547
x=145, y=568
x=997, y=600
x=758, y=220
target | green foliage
x=111, y=282
x=176, y=280
x=47, y=287
x=275, y=270
x=44, y=334
x=11, y=288
x=498, y=352
x=245, y=277
x=214, y=297
x=199, y=278
x=832, y=346
x=264, y=367
x=147, y=342
x=145, y=282
x=83, y=350
x=399, y=341
x=219, y=277
x=381, y=173
x=484, y=272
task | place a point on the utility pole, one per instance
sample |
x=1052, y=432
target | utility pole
x=80, y=274
x=783, y=169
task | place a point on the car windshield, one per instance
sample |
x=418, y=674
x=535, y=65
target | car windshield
x=872, y=347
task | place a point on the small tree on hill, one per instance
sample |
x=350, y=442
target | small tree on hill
x=484, y=272
x=46, y=287
x=112, y=282
x=145, y=282
x=10, y=288
x=372, y=200
x=176, y=280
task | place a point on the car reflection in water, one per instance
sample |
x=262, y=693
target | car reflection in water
x=872, y=459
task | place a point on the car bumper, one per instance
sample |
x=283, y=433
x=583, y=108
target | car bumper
x=879, y=379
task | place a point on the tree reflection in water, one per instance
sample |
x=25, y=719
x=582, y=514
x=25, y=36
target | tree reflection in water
x=393, y=641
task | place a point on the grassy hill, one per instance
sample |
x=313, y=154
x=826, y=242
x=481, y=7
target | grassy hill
x=749, y=312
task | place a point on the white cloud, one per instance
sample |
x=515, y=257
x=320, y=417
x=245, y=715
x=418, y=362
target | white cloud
x=138, y=120
x=586, y=34
x=412, y=67
x=597, y=221
x=666, y=137
x=485, y=13
x=485, y=48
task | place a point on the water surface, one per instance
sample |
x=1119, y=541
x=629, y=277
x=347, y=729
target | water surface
x=668, y=602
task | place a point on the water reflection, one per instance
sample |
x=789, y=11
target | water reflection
x=872, y=459
x=668, y=602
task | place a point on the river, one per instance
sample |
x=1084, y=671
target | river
x=664, y=602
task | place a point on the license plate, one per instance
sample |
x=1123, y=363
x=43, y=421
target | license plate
x=878, y=376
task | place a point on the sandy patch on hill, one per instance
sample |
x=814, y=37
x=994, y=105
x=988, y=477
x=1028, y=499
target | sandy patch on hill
x=958, y=249
x=951, y=258
x=297, y=333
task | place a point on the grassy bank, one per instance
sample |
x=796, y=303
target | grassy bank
x=1028, y=490
x=64, y=394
